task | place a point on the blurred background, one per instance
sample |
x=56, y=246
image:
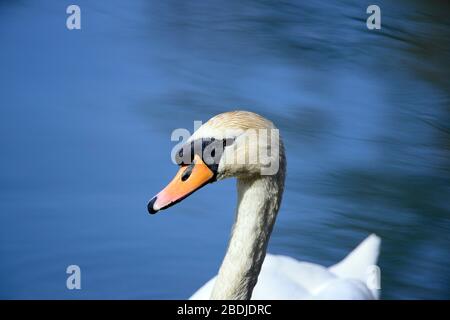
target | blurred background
x=86, y=117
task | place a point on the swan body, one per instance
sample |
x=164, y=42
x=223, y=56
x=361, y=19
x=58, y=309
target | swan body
x=286, y=278
x=248, y=147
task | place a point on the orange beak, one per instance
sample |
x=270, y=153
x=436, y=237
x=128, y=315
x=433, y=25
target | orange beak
x=187, y=180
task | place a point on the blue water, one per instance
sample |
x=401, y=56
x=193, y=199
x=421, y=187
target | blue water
x=86, y=118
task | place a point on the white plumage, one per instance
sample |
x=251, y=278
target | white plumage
x=284, y=277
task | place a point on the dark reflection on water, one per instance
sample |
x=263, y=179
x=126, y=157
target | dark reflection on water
x=86, y=118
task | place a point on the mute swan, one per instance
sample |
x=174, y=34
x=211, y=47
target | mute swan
x=246, y=271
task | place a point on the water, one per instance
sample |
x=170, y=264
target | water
x=86, y=118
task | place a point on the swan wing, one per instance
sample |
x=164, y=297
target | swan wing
x=361, y=262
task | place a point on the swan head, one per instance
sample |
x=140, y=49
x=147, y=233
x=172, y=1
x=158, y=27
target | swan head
x=237, y=144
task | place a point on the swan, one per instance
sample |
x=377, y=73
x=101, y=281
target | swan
x=222, y=148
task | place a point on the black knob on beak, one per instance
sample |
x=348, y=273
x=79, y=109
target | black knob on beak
x=150, y=208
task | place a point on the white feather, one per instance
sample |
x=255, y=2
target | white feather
x=283, y=277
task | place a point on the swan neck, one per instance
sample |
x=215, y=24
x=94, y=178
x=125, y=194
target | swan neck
x=258, y=204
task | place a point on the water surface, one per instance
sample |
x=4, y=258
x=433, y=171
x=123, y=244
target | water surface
x=86, y=118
